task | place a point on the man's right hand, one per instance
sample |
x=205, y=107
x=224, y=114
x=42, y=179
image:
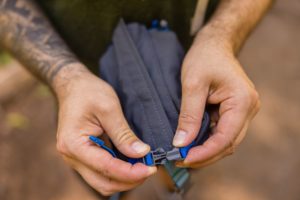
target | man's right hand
x=89, y=106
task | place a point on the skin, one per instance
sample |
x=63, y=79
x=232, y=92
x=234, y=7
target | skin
x=89, y=106
x=211, y=74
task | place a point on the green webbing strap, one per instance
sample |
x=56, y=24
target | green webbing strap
x=179, y=176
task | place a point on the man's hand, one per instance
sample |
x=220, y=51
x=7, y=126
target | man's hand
x=212, y=74
x=89, y=106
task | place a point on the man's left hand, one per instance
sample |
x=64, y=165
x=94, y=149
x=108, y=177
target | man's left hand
x=211, y=74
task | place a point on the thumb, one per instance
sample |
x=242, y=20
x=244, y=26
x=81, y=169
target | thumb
x=118, y=130
x=191, y=113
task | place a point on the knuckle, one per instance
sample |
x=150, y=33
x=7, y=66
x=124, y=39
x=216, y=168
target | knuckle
x=107, y=107
x=245, y=96
x=191, y=84
x=230, y=152
x=232, y=149
x=257, y=100
x=124, y=136
x=249, y=97
x=255, y=95
x=107, y=189
x=105, y=168
x=188, y=118
x=258, y=105
x=104, y=171
x=62, y=147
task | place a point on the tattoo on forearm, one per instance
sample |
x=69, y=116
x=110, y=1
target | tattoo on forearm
x=29, y=36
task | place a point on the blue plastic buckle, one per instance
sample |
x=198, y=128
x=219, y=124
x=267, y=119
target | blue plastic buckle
x=160, y=156
x=156, y=157
x=185, y=150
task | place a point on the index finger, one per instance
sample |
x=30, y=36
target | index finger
x=228, y=128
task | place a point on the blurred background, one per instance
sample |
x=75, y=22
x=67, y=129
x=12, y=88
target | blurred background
x=266, y=165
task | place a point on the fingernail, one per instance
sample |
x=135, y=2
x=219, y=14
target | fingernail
x=179, y=138
x=139, y=147
x=151, y=170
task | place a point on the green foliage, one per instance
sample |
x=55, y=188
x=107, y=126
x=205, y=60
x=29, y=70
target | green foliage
x=4, y=58
x=42, y=91
x=17, y=120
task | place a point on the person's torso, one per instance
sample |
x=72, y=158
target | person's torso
x=87, y=25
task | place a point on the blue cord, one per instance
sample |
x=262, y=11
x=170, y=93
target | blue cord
x=101, y=144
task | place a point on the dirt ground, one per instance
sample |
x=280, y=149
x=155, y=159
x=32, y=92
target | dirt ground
x=266, y=165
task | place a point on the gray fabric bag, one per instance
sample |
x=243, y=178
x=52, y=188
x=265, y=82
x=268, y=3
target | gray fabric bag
x=143, y=66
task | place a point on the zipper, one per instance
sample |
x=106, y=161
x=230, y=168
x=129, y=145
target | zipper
x=134, y=70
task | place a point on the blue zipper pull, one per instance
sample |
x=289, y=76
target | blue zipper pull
x=101, y=144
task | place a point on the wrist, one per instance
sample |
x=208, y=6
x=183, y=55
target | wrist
x=67, y=76
x=213, y=35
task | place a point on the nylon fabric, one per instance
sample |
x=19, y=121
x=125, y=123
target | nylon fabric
x=143, y=66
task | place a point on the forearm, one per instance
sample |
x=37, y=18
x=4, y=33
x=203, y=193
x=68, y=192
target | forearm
x=233, y=21
x=28, y=35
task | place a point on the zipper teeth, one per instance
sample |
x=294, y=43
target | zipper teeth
x=124, y=30
x=158, y=108
x=174, y=106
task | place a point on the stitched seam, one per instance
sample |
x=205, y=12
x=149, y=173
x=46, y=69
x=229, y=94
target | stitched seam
x=174, y=110
x=147, y=86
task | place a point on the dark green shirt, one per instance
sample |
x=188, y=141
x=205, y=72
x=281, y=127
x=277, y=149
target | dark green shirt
x=87, y=25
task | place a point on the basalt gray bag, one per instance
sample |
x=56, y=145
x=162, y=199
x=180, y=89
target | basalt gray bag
x=143, y=66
